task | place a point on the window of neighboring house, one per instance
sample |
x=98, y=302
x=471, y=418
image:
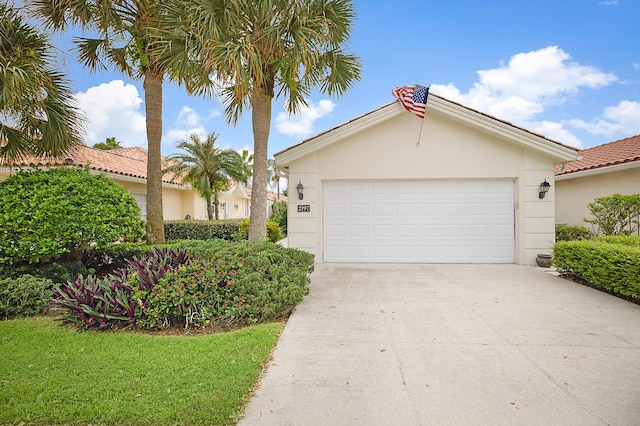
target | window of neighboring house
x=141, y=200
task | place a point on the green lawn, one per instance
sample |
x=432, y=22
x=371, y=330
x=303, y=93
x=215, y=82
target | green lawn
x=57, y=375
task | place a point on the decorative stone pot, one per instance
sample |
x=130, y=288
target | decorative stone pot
x=543, y=260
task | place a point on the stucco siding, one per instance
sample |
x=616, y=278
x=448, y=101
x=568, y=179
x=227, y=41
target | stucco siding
x=538, y=214
x=575, y=193
x=390, y=150
x=444, y=146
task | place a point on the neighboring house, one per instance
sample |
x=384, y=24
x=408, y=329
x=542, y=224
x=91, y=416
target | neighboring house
x=128, y=167
x=603, y=170
x=235, y=202
x=459, y=186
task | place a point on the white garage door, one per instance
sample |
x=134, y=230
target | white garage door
x=431, y=221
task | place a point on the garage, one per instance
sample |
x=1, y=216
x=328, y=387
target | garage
x=419, y=221
x=457, y=186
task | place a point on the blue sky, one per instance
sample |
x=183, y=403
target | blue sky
x=569, y=70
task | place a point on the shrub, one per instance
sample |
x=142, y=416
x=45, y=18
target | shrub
x=243, y=230
x=271, y=279
x=115, y=300
x=279, y=215
x=108, y=259
x=205, y=280
x=625, y=240
x=200, y=229
x=572, y=233
x=62, y=210
x=273, y=231
x=615, y=215
x=604, y=265
x=24, y=296
x=59, y=271
x=193, y=295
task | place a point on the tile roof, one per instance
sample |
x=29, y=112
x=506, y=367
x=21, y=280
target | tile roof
x=122, y=161
x=271, y=195
x=618, y=152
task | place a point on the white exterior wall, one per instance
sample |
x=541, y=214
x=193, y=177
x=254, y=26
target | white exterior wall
x=575, y=191
x=448, y=149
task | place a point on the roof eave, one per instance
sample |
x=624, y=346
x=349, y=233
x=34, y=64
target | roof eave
x=599, y=170
x=559, y=152
x=336, y=134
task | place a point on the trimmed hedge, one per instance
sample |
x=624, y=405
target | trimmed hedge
x=621, y=239
x=201, y=229
x=614, y=268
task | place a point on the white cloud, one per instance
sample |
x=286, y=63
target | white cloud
x=113, y=110
x=187, y=122
x=609, y=3
x=615, y=122
x=301, y=124
x=527, y=84
x=557, y=132
x=636, y=66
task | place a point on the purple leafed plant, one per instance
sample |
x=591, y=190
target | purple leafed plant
x=109, y=302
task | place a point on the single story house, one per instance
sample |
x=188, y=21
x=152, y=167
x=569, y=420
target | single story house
x=128, y=168
x=612, y=168
x=458, y=186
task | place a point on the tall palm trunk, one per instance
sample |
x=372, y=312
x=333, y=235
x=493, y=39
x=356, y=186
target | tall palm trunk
x=153, y=104
x=261, y=121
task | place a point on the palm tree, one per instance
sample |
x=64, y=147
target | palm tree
x=207, y=168
x=274, y=175
x=37, y=113
x=124, y=31
x=108, y=144
x=247, y=159
x=259, y=50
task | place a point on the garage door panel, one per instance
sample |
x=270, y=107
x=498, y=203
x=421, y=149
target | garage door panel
x=358, y=230
x=419, y=221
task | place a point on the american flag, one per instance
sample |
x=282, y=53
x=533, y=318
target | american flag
x=412, y=98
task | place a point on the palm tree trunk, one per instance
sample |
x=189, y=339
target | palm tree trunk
x=261, y=121
x=209, y=207
x=215, y=206
x=153, y=103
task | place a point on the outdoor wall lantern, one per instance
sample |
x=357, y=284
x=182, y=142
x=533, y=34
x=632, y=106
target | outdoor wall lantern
x=300, y=188
x=544, y=188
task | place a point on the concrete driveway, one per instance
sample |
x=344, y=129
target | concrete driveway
x=452, y=345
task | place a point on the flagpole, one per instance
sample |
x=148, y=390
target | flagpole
x=420, y=134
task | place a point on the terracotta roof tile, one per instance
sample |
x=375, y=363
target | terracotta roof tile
x=123, y=161
x=618, y=152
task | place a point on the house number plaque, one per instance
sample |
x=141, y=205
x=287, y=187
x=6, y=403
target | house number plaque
x=304, y=208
